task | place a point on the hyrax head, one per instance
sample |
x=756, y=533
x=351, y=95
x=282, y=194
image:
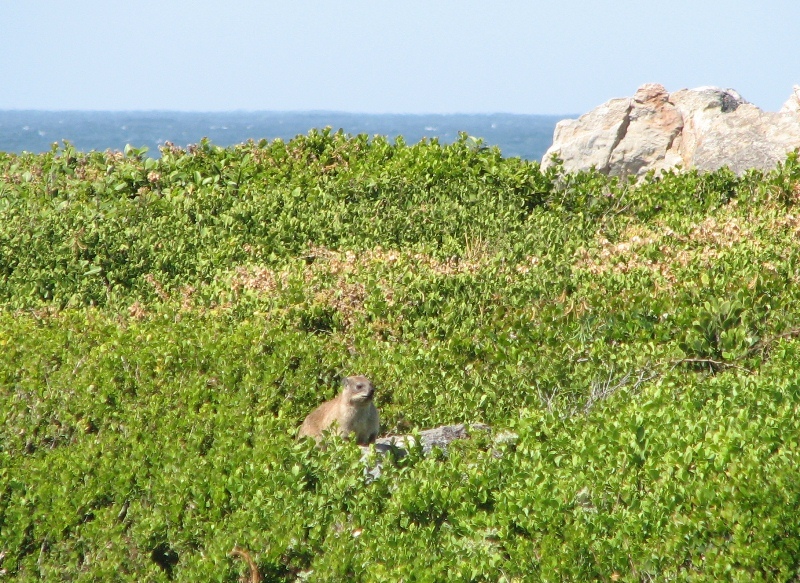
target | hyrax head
x=358, y=390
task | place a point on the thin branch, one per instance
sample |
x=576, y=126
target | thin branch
x=763, y=344
x=714, y=365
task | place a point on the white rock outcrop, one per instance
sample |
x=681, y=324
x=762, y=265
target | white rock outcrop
x=704, y=128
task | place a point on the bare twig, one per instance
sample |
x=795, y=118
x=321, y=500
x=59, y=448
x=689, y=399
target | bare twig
x=243, y=554
x=765, y=343
x=78, y=365
x=605, y=389
x=547, y=400
x=714, y=365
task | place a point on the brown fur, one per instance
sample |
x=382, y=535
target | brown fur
x=352, y=411
x=243, y=554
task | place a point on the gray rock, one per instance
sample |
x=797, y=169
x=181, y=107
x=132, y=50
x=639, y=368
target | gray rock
x=439, y=437
x=704, y=128
x=398, y=445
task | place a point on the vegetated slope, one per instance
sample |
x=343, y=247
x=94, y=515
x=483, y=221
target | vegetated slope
x=166, y=325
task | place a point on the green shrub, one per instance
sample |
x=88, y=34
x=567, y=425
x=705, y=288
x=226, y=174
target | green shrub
x=165, y=325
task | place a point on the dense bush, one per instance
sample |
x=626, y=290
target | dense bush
x=165, y=325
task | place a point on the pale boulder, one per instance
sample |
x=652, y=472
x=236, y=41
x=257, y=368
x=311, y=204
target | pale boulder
x=652, y=127
x=704, y=128
x=593, y=137
x=700, y=108
x=792, y=105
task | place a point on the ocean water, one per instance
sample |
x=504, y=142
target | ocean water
x=524, y=136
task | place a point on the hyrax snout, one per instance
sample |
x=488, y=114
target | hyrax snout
x=352, y=411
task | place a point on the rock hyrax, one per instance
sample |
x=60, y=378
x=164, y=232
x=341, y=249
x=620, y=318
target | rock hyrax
x=352, y=410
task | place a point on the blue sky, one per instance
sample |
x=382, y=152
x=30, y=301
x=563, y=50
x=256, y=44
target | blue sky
x=411, y=56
